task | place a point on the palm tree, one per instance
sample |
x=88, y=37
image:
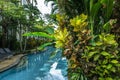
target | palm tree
x=69, y=7
x=16, y=19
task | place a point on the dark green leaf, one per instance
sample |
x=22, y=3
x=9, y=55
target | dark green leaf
x=96, y=57
x=44, y=45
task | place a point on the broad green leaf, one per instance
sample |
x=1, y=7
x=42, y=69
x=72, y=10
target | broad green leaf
x=96, y=57
x=95, y=9
x=105, y=53
x=27, y=34
x=44, y=45
x=109, y=39
x=117, y=65
x=105, y=61
x=108, y=78
x=98, y=68
x=41, y=34
x=108, y=4
x=109, y=66
x=109, y=8
x=104, y=66
x=103, y=1
x=107, y=27
x=49, y=30
x=113, y=69
x=105, y=71
x=90, y=55
x=101, y=78
x=90, y=48
x=114, y=61
x=81, y=78
x=112, y=42
x=99, y=43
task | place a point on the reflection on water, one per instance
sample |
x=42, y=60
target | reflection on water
x=23, y=63
x=39, y=67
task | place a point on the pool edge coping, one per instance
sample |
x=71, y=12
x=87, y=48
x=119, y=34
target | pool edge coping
x=12, y=64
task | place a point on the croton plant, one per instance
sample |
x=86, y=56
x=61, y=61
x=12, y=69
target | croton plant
x=93, y=57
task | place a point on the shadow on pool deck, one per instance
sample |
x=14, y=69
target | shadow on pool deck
x=10, y=62
x=5, y=53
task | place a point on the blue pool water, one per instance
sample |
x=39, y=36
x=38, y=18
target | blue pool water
x=40, y=66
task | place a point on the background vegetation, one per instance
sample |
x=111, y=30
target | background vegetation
x=88, y=37
x=88, y=32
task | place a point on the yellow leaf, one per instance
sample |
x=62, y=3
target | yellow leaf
x=61, y=37
x=79, y=22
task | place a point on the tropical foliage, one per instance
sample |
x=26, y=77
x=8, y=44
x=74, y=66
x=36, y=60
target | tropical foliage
x=92, y=51
x=16, y=19
x=84, y=34
x=86, y=30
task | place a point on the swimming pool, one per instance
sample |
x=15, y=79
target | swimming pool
x=39, y=66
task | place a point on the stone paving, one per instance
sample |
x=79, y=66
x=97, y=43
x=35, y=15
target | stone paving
x=10, y=62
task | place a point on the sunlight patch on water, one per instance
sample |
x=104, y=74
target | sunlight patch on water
x=54, y=74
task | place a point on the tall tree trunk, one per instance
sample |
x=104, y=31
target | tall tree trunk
x=25, y=39
x=4, y=33
x=20, y=36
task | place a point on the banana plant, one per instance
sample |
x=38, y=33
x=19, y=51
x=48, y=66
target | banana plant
x=99, y=12
x=107, y=8
x=45, y=34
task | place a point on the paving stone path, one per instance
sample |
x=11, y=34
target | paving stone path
x=10, y=62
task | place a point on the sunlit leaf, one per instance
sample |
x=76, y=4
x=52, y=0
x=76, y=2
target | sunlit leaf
x=61, y=36
x=109, y=78
x=98, y=43
x=91, y=54
x=105, y=53
x=41, y=34
x=109, y=66
x=113, y=69
x=114, y=61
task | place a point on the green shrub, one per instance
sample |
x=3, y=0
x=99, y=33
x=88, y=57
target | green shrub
x=102, y=60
